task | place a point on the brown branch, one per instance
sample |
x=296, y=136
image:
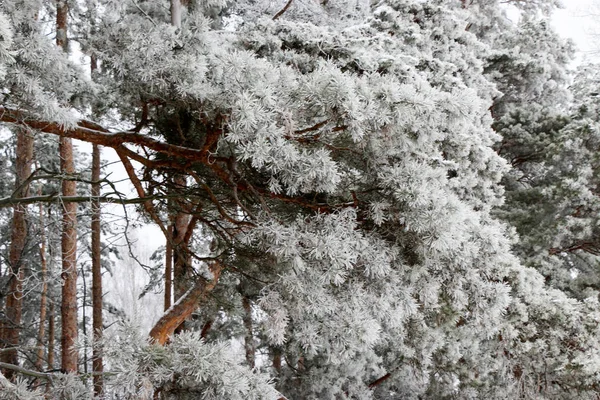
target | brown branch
x=284, y=9
x=148, y=206
x=588, y=247
x=379, y=381
x=215, y=201
x=91, y=132
x=185, y=306
x=315, y=127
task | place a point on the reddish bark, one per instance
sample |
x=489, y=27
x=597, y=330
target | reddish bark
x=184, y=307
x=97, y=364
x=91, y=132
x=14, y=299
x=69, y=262
x=181, y=256
x=69, y=226
x=62, y=15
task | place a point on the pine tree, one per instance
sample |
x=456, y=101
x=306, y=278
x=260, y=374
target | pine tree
x=332, y=181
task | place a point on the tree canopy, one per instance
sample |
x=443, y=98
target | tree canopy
x=389, y=199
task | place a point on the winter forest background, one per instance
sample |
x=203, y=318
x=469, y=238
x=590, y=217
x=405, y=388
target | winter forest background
x=349, y=199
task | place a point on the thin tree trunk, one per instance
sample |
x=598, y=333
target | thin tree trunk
x=176, y=9
x=97, y=364
x=249, y=337
x=182, y=261
x=51, y=336
x=14, y=297
x=39, y=362
x=69, y=227
x=62, y=15
x=276, y=351
x=181, y=258
x=169, y=268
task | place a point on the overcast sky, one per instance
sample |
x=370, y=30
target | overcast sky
x=580, y=21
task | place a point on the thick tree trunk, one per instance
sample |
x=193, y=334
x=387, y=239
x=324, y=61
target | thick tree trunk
x=69, y=263
x=69, y=227
x=97, y=364
x=14, y=298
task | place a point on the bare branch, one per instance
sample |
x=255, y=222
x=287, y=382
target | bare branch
x=28, y=372
x=284, y=9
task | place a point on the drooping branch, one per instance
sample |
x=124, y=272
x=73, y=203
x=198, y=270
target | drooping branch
x=137, y=184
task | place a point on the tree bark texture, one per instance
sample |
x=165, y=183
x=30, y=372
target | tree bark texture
x=181, y=256
x=69, y=262
x=97, y=364
x=14, y=298
x=62, y=15
x=69, y=226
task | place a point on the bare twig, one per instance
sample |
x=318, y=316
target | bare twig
x=284, y=9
